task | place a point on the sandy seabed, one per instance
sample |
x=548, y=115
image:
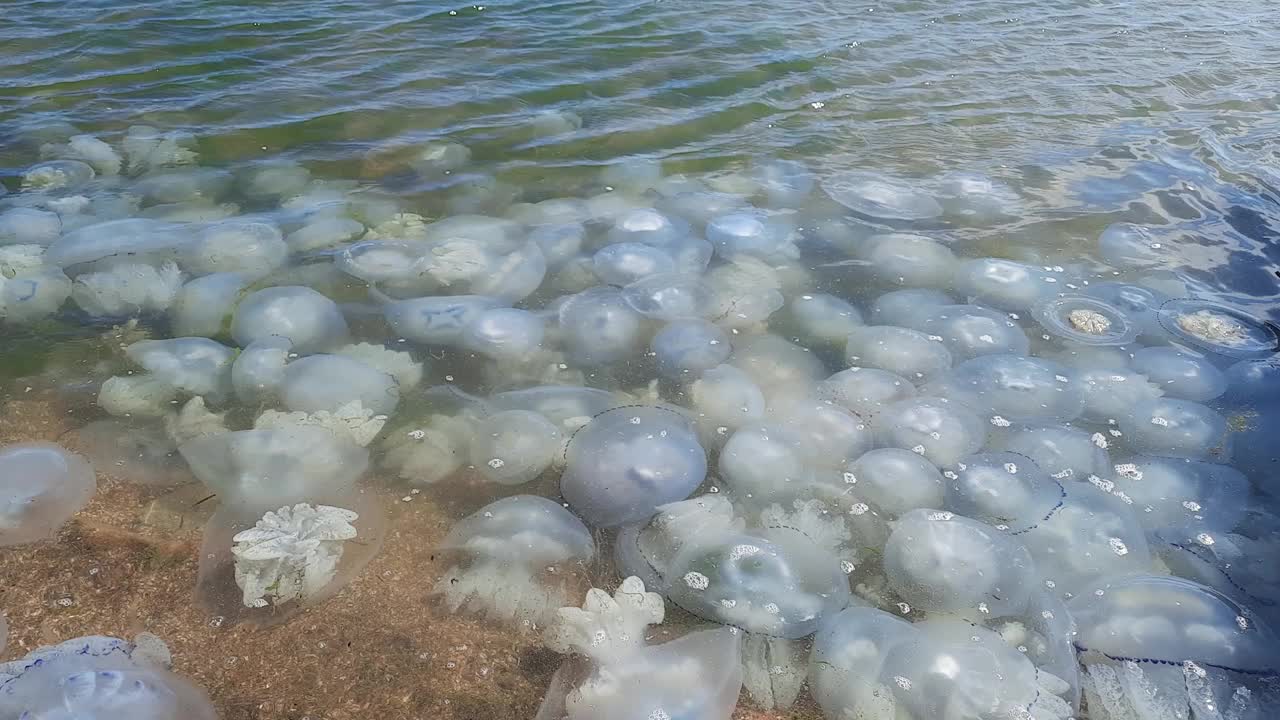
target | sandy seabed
x=383, y=648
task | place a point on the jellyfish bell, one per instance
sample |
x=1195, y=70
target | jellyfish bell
x=670, y=297
x=1005, y=284
x=311, y=321
x=599, y=327
x=1219, y=331
x=626, y=262
x=865, y=391
x=1176, y=428
x=513, y=447
x=41, y=486
x=879, y=196
x=1003, y=489
x=1016, y=387
x=822, y=318
x=1084, y=320
x=910, y=353
x=1180, y=374
x=905, y=260
x=970, y=331
x=685, y=348
x=895, y=481
x=1064, y=452
x=936, y=428
x=503, y=333
x=1139, y=304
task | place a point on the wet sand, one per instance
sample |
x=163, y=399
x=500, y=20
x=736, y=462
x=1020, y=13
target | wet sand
x=381, y=648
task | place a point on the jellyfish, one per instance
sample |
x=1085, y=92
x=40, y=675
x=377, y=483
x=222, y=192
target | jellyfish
x=245, y=246
x=29, y=226
x=1180, y=374
x=503, y=333
x=328, y=382
x=934, y=427
x=745, y=291
x=723, y=399
x=778, y=367
x=1110, y=394
x=113, y=238
x=685, y=348
x=258, y=371
x=1179, y=492
x=33, y=296
x=865, y=391
x=670, y=297
x=627, y=262
x=1177, y=428
x=647, y=549
x=1016, y=387
x=764, y=463
x=970, y=331
x=324, y=233
x=194, y=365
x=619, y=677
x=1164, y=647
x=558, y=241
x=1222, y=333
x=309, y=320
x=513, y=447
x=908, y=260
x=271, y=468
x=94, y=677
x=909, y=353
x=41, y=486
x=748, y=232
x=599, y=327
x=907, y=308
x=1135, y=247
x=516, y=552
x=1004, y=284
x=626, y=462
x=57, y=175
x=824, y=319
x=133, y=452
x=1137, y=303
x=829, y=435
x=126, y=289
x=1064, y=452
x=785, y=183
x=895, y=481
x=1084, y=320
x=438, y=320
x=880, y=196
x=203, y=306
x=646, y=226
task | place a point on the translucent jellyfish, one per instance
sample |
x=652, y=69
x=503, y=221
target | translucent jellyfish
x=751, y=233
x=1138, y=304
x=41, y=486
x=1180, y=374
x=785, y=183
x=146, y=148
x=245, y=246
x=1084, y=320
x=184, y=185
x=976, y=197
x=1016, y=388
x=33, y=297
x=971, y=331
x=700, y=206
x=263, y=565
x=427, y=451
x=1111, y=394
x=865, y=391
x=600, y=328
x=908, y=260
x=909, y=353
x=274, y=180
x=907, y=308
x=57, y=175
x=1002, y=489
x=724, y=398
x=267, y=469
x=1128, y=246
x=327, y=382
x=194, y=365
x=1164, y=647
x=88, y=149
x=133, y=452
x=513, y=447
x=694, y=676
x=1177, y=428
x=1178, y=492
x=626, y=462
x=141, y=395
x=764, y=463
x=670, y=297
x=559, y=242
x=435, y=320
x=829, y=435
x=127, y=289
x=29, y=226
x=439, y=158
x=568, y=407
x=134, y=236
x=1004, y=284
x=824, y=319
x=848, y=655
x=647, y=226
x=1219, y=330
x=203, y=306
x=258, y=370
x=940, y=430
x=685, y=348
x=99, y=677
x=879, y=196
x=323, y=233
x=778, y=367
x=503, y=333
x=383, y=261
x=311, y=321
x=895, y=481
x=1064, y=452
x=647, y=549
x=516, y=553
x=745, y=291
x=625, y=263
x=777, y=583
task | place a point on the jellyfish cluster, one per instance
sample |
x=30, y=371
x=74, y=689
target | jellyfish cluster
x=838, y=445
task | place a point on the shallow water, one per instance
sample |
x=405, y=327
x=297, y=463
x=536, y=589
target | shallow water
x=1082, y=114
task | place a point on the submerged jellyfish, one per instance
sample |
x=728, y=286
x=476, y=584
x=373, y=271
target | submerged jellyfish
x=879, y=196
x=626, y=462
x=1111, y=394
x=1016, y=387
x=1221, y=331
x=512, y=549
x=503, y=333
x=625, y=263
x=785, y=183
x=600, y=328
x=1064, y=452
x=271, y=468
x=513, y=447
x=907, y=352
x=327, y=382
x=780, y=368
x=1137, y=303
x=685, y=348
x=203, y=306
x=258, y=370
x=865, y=391
x=895, y=481
x=908, y=260
x=29, y=226
x=133, y=236
x=98, y=677
x=764, y=463
x=41, y=487
x=907, y=308
x=670, y=297
x=825, y=319
x=311, y=321
x=142, y=454
x=1180, y=374
x=436, y=320
x=970, y=331
x=1084, y=320
x=647, y=549
x=724, y=398
x=934, y=427
x=1179, y=492
x=1004, y=284
x=1129, y=246
x=1177, y=428
x=695, y=676
x=245, y=246
x=750, y=233
x=194, y=365
x=1165, y=647
x=1003, y=489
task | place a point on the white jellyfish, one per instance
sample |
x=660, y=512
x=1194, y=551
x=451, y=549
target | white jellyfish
x=746, y=292
x=895, y=481
x=908, y=307
x=133, y=236
x=98, y=677
x=203, y=306
x=29, y=226
x=880, y=196
x=1180, y=374
x=909, y=353
x=258, y=370
x=328, y=382
x=685, y=348
x=57, y=175
x=1016, y=387
x=323, y=233
x=41, y=486
x=126, y=288
x=1064, y=452
x=970, y=331
x=908, y=260
x=508, y=546
x=936, y=428
x=626, y=462
x=599, y=327
x=1177, y=428
x=513, y=447
x=245, y=246
x=671, y=297
x=503, y=333
x=1110, y=394
x=785, y=183
x=1179, y=492
x=1083, y=320
x=437, y=320
x=647, y=226
x=626, y=262
x=1135, y=247
x=723, y=399
x=764, y=463
x=1004, y=284
x=621, y=678
x=311, y=321
x=751, y=233
x=194, y=365
x=1156, y=647
x=558, y=241
x=778, y=367
x=291, y=553
x=823, y=319
x=865, y=391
